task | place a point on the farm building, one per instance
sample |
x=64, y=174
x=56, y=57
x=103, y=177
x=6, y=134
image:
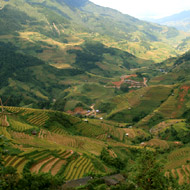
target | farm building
x=113, y=179
x=108, y=180
x=76, y=183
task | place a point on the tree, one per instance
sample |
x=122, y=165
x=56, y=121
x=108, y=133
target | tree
x=149, y=173
x=40, y=181
x=124, y=87
x=8, y=175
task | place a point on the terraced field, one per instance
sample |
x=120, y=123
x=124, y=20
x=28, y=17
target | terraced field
x=157, y=143
x=102, y=137
x=58, y=130
x=19, y=126
x=16, y=162
x=64, y=140
x=178, y=165
x=127, y=100
x=44, y=161
x=169, y=107
x=163, y=125
x=20, y=135
x=182, y=174
x=38, y=118
x=77, y=168
x=89, y=130
x=54, y=149
x=135, y=132
x=34, y=116
x=108, y=130
x=140, y=104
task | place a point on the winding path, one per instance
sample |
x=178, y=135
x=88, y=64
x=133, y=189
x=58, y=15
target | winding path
x=145, y=81
x=1, y=8
x=93, y=110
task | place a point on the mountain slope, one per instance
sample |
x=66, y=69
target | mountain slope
x=29, y=80
x=72, y=22
x=181, y=21
x=178, y=69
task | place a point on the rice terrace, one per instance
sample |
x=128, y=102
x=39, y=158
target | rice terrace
x=92, y=98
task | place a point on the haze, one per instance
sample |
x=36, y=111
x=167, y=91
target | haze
x=146, y=8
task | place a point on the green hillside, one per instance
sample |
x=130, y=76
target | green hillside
x=45, y=141
x=177, y=70
x=65, y=24
x=27, y=80
x=88, y=91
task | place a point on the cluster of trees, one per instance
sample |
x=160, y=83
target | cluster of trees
x=181, y=134
x=146, y=173
x=114, y=162
x=22, y=68
x=12, y=20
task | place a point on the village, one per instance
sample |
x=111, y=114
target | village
x=132, y=83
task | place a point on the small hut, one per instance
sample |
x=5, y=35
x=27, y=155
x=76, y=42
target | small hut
x=113, y=179
x=34, y=132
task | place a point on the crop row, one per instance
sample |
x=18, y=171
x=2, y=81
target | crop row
x=44, y=161
x=38, y=118
x=102, y=137
x=62, y=140
x=158, y=143
x=77, y=168
x=16, y=162
x=180, y=153
x=18, y=126
x=58, y=130
x=182, y=174
x=20, y=135
x=49, y=163
x=89, y=130
x=14, y=109
x=116, y=132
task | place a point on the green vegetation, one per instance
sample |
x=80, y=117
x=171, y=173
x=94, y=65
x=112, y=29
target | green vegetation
x=144, y=105
x=56, y=149
x=114, y=162
x=178, y=132
x=126, y=114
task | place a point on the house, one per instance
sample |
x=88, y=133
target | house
x=113, y=179
x=76, y=183
x=34, y=132
x=108, y=180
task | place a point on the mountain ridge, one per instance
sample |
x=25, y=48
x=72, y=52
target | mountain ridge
x=59, y=21
x=181, y=20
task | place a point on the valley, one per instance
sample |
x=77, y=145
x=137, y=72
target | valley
x=88, y=93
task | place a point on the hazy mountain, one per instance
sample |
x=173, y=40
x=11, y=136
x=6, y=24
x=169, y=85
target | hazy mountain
x=181, y=21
